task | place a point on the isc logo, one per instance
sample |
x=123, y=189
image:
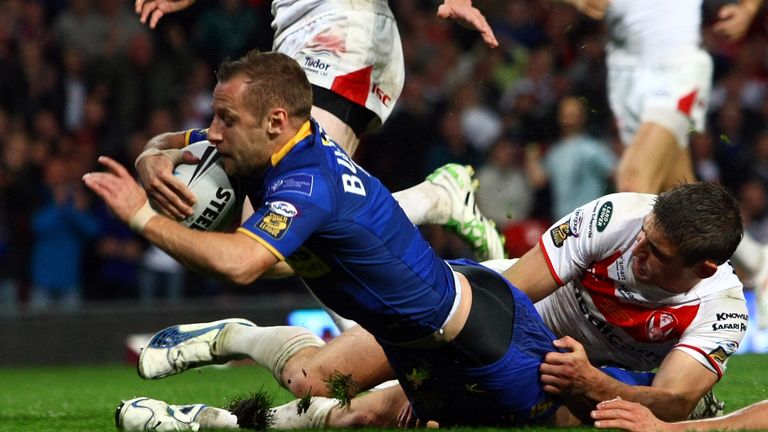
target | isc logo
x=315, y=64
x=383, y=97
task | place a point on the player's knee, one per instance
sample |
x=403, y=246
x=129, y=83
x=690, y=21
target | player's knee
x=631, y=180
x=305, y=381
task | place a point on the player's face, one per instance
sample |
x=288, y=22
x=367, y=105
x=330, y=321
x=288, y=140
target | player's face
x=655, y=260
x=240, y=137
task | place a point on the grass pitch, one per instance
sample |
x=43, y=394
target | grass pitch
x=84, y=398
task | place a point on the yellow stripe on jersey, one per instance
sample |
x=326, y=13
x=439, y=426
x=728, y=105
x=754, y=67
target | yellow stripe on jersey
x=263, y=242
x=303, y=132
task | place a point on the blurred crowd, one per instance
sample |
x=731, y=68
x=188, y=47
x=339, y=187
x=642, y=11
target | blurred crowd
x=80, y=78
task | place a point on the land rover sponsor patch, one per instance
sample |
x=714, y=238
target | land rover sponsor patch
x=604, y=216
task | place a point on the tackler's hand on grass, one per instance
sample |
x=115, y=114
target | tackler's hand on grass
x=631, y=416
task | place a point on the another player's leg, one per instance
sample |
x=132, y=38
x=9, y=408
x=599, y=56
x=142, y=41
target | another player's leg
x=337, y=129
x=447, y=197
x=649, y=160
x=374, y=409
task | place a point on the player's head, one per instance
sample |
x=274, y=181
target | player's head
x=260, y=101
x=692, y=229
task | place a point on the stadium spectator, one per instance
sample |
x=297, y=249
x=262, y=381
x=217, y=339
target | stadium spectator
x=577, y=167
x=505, y=193
x=62, y=227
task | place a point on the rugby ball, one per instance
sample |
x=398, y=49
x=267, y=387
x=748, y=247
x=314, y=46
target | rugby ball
x=219, y=200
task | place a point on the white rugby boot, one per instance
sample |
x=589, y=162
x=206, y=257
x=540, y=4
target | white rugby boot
x=465, y=217
x=178, y=348
x=145, y=414
x=293, y=415
x=708, y=406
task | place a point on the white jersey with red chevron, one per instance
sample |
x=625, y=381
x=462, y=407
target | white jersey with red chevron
x=624, y=322
x=351, y=47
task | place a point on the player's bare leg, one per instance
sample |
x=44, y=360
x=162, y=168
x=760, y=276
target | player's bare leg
x=681, y=172
x=355, y=353
x=375, y=409
x=649, y=160
x=337, y=130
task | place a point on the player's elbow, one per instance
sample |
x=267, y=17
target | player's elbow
x=243, y=275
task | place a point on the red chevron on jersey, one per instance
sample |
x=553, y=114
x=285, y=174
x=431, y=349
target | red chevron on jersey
x=642, y=323
x=685, y=103
x=354, y=85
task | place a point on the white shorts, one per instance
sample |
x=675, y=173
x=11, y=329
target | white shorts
x=350, y=47
x=673, y=93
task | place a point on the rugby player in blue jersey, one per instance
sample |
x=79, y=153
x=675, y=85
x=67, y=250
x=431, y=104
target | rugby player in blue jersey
x=451, y=332
x=352, y=55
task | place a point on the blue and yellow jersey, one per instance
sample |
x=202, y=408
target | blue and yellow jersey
x=195, y=135
x=342, y=231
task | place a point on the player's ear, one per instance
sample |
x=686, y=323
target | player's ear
x=277, y=121
x=706, y=269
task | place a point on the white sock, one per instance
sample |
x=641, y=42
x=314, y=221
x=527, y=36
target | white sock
x=216, y=418
x=270, y=347
x=287, y=416
x=749, y=255
x=499, y=265
x=425, y=203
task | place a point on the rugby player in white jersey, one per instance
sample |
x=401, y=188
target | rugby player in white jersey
x=659, y=83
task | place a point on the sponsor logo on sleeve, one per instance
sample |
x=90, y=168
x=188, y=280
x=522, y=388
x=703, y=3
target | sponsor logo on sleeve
x=297, y=183
x=576, y=220
x=283, y=208
x=275, y=224
x=723, y=351
x=604, y=216
x=560, y=233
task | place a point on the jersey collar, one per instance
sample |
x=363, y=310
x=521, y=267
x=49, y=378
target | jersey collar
x=304, y=131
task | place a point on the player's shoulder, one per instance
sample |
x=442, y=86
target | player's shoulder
x=610, y=214
x=724, y=284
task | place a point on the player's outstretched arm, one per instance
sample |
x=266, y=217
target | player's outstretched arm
x=733, y=19
x=155, y=9
x=672, y=396
x=632, y=416
x=468, y=16
x=155, y=169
